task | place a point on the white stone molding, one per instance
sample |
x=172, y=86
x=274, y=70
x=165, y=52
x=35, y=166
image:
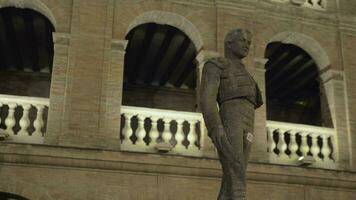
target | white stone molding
x=172, y=19
x=36, y=5
x=308, y=44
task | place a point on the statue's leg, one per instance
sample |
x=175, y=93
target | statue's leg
x=237, y=118
x=236, y=179
x=224, y=187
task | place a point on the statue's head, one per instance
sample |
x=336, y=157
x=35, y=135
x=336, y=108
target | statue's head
x=237, y=43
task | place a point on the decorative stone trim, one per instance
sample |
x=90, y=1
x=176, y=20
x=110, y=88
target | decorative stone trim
x=308, y=44
x=31, y=4
x=314, y=4
x=172, y=19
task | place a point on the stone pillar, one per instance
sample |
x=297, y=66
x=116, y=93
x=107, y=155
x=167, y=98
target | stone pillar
x=333, y=82
x=110, y=119
x=88, y=103
x=61, y=42
x=259, y=145
x=348, y=43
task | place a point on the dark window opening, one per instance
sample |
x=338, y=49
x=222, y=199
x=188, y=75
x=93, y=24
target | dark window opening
x=293, y=90
x=159, y=68
x=26, y=52
x=9, y=196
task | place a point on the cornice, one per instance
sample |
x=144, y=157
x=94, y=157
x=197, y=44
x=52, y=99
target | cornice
x=160, y=164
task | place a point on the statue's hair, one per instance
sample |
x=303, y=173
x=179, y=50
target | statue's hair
x=231, y=35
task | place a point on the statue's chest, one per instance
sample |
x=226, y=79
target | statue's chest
x=236, y=76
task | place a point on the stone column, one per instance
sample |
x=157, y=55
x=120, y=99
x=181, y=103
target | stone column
x=259, y=145
x=348, y=43
x=61, y=42
x=110, y=119
x=89, y=108
x=333, y=82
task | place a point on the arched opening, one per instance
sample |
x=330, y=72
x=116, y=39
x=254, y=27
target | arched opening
x=10, y=196
x=160, y=70
x=293, y=88
x=26, y=52
x=26, y=56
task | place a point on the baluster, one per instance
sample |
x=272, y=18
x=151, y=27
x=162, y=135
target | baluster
x=282, y=146
x=10, y=119
x=325, y=149
x=140, y=131
x=38, y=123
x=314, y=149
x=271, y=143
x=24, y=121
x=127, y=130
x=304, y=148
x=0, y=110
x=179, y=134
x=192, y=135
x=316, y=4
x=153, y=134
x=293, y=146
x=166, y=135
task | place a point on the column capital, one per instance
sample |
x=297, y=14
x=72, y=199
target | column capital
x=118, y=45
x=331, y=74
x=61, y=38
x=260, y=62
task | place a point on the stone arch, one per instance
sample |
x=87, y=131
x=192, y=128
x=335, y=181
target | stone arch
x=308, y=44
x=36, y=5
x=172, y=19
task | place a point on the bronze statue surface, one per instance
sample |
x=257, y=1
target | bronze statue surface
x=230, y=124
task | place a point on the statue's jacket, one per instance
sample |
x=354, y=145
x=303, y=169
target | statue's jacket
x=223, y=80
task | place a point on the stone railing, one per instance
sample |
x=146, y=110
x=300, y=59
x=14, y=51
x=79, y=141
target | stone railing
x=23, y=119
x=288, y=143
x=154, y=130
x=314, y=4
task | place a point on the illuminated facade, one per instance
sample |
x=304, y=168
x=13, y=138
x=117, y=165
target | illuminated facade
x=99, y=98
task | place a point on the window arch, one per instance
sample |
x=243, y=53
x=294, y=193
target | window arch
x=26, y=52
x=294, y=89
x=26, y=58
x=160, y=69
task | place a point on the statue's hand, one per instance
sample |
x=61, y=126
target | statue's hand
x=223, y=145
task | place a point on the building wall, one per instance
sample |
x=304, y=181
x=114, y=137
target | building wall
x=86, y=93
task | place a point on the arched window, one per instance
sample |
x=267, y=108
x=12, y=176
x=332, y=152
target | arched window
x=160, y=71
x=26, y=52
x=293, y=90
x=26, y=56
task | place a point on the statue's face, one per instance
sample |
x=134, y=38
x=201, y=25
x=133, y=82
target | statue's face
x=240, y=46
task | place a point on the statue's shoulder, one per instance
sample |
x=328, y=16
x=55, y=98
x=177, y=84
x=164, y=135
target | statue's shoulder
x=219, y=62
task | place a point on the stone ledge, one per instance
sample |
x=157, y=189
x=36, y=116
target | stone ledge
x=96, y=159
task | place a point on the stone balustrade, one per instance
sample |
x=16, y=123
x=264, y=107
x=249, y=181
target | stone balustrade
x=22, y=118
x=288, y=142
x=149, y=130
x=314, y=4
x=174, y=132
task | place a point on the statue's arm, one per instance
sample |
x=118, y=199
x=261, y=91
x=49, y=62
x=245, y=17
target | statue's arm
x=208, y=95
x=259, y=100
